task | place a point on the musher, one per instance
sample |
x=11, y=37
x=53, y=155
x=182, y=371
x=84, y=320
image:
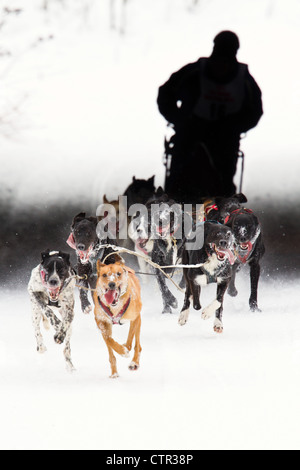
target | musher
x=210, y=104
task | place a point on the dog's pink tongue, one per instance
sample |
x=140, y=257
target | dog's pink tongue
x=111, y=296
x=230, y=257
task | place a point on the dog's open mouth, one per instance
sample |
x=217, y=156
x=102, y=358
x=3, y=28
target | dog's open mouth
x=141, y=244
x=163, y=231
x=54, y=294
x=246, y=246
x=224, y=254
x=112, y=297
x=85, y=255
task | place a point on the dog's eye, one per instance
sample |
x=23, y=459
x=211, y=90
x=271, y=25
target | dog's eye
x=119, y=274
x=104, y=275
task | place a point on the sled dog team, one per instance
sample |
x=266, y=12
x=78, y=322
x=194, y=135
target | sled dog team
x=231, y=237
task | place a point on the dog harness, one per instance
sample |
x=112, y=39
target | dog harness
x=116, y=319
x=211, y=207
x=237, y=211
x=244, y=258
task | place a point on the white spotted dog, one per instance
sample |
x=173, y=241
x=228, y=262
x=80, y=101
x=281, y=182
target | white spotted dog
x=51, y=289
x=216, y=259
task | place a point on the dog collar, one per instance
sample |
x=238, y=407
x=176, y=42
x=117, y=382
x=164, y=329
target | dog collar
x=244, y=259
x=114, y=318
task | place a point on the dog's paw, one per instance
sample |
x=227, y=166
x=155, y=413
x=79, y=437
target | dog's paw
x=167, y=309
x=70, y=368
x=114, y=376
x=125, y=353
x=41, y=349
x=232, y=291
x=254, y=307
x=209, y=311
x=183, y=317
x=88, y=310
x=133, y=366
x=59, y=338
x=218, y=326
x=197, y=305
x=174, y=302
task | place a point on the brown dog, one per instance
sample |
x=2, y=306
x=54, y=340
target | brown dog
x=117, y=301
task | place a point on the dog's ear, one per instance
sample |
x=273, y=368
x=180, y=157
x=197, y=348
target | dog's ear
x=78, y=217
x=66, y=257
x=45, y=255
x=160, y=192
x=99, y=266
x=133, y=179
x=151, y=180
x=105, y=200
x=94, y=220
x=241, y=197
x=217, y=200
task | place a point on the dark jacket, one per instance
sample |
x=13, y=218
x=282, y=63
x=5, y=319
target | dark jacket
x=179, y=96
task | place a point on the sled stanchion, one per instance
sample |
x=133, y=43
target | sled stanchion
x=167, y=159
x=242, y=156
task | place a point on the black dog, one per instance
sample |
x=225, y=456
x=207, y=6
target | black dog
x=250, y=249
x=51, y=290
x=247, y=232
x=140, y=191
x=216, y=258
x=221, y=208
x=84, y=240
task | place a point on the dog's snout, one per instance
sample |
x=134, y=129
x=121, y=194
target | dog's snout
x=112, y=285
x=81, y=247
x=223, y=244
x=53, y=282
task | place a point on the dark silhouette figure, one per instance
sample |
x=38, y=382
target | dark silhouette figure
x=209, y=103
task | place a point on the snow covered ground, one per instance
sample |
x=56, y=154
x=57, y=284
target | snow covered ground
x=81, y=117
x=194, y=390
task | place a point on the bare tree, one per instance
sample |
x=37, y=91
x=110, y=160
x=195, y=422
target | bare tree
x=192, y=4
x=118, y=15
